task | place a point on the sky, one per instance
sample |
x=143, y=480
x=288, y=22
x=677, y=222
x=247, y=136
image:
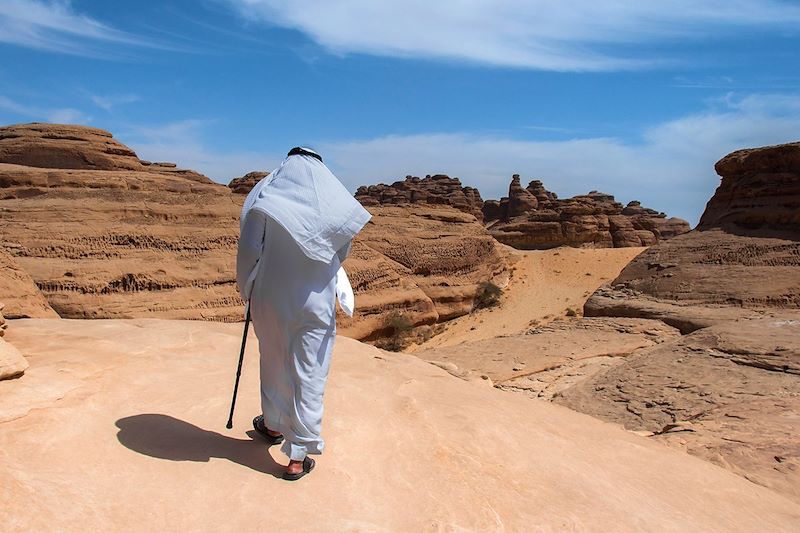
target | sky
x=634, y=98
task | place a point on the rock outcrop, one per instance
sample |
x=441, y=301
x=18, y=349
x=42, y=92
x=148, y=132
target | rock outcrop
x=534, y=218
x=729, y=394
x=424, y=263
x=431, y=190
x=12, y=363
x=743, y=259
x=18, y=291
x=154, y=241
x=246, y=183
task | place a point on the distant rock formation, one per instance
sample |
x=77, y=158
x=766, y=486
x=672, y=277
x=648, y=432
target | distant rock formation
x=12, y=363
x=110, y=236
x=432, y=190
x=534, y=218
x=246, y=183
x=743, y=257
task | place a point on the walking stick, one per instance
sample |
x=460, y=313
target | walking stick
x=229, y=425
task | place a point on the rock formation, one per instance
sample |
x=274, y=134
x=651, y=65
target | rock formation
x=149, y=240
x=423, y=262
x=12, y=363
x=432, y=190
x=743, y=258
x=18, y=291
x=246, y=183
x=534, y=218
x=728, y=390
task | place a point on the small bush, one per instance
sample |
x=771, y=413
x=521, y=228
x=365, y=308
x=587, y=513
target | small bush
x=488, y=295
x=571, y=312
x=399, y=328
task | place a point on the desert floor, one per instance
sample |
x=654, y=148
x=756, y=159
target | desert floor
x=119, y=425
x=544, y=285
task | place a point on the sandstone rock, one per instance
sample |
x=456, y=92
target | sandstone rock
x=729, y=394
x=743, y=259
x=394, y=267
x=143, y=400
x=760, y=189
x=534, y=218
x=12, y=363
x=161, y=242
x=246, y=183
x=18, y=291
x=432, y=190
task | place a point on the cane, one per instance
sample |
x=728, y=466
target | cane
x=229, y=425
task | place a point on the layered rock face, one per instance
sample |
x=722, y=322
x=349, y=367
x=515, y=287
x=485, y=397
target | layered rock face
x=246, y=183
x=534, y=218
x=432, y=190
x=743, y=258
x=108, y=236
x=156, y=241
x=424, y=263
x=19, y=292
x=12, y=363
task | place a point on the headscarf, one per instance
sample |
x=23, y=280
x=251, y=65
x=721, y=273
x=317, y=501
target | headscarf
x=310, y=203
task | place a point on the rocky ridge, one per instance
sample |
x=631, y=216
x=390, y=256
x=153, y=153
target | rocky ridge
x=430, y=190
x=246, y=183
x=110, y=236
x=534, y=218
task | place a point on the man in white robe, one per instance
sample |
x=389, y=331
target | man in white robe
x=297, y=225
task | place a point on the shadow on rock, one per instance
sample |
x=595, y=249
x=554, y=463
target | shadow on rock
x=168, y=438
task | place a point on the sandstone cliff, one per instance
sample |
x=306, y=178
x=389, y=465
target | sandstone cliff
x=19, y=292
x=534, y=218
x=109, y=236
x=246, y=183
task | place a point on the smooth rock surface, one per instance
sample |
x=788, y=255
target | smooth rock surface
x=140, y=408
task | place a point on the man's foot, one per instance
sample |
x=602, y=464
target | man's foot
x=272, y=437
x=298, y=469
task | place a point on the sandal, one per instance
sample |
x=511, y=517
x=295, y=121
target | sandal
x=308, y=466
x=261, y=429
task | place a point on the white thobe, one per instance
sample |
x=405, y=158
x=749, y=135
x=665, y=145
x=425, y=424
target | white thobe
x=292, y=305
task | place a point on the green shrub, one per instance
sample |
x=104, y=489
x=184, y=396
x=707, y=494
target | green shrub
x=488, y=295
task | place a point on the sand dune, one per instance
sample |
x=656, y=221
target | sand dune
x=119, y=425
x=544, y=284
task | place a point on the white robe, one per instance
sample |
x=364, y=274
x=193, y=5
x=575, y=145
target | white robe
x=287, y=269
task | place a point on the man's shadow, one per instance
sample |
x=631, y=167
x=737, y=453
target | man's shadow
x=168, y=438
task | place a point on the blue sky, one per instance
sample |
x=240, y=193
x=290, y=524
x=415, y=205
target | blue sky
x=634, y=98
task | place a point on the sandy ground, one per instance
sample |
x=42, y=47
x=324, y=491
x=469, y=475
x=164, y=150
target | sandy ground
x=119, y=426
x=544, y=284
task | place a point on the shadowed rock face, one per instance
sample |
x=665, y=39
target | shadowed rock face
x=432, y=190
x=145, y=240
x=534, y=218
x=21, y=296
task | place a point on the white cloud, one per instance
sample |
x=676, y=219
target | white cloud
x=670, y=169
x=110, y=101
x=570, y=35
x=64, y=115
x=182, y=142
x=54, y=26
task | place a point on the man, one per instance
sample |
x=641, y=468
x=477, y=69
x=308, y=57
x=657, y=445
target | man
x=297, y=225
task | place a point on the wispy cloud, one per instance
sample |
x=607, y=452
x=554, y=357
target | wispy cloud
x=110, y=101
x=56, y=27
x=670, y=168
x=64, y=115
x=575, y=35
